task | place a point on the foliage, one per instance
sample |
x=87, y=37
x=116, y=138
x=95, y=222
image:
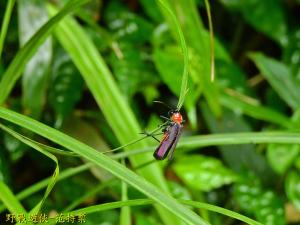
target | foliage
x=78, y=78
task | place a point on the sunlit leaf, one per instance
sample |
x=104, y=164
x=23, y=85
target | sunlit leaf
x=125, y=25
x=253, y=199
x=35, y=75
x=281, y=156
x=66, y=86
x=292, y=188
x=280, y=78
x=266, y=16
x=134, y=70
x=291, y=53
x=203, y=173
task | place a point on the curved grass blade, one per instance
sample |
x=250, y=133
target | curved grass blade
x=43, y=183
x=140, y=202
x=187, y=144
x=52, y=180
x=9, y=200
x=16, y=67
x=104, y=162
x=184, y=81
x=211, y=40
x=5, y=23
x=125, y=218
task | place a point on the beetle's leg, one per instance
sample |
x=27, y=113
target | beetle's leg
x=151, y=135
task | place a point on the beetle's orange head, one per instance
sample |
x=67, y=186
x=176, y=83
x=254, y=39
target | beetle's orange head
x=176, y=117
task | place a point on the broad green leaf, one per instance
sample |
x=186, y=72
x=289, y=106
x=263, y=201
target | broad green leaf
x=36, y=72
x=270, y=209
x=134, y=71
x=266, y=16
x=238, y=157
x=253, y=199
x=203, y=173
x=66, y=86
x=229, y=75
x=282, y=156
x=17, y=66
x=291, y=53
x=280, y=78
x=179, y=191
x=125, y=25
x=292, y=188
x=151, y=10
x=170, y=58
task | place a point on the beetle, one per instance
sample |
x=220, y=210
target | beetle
x=172, y=131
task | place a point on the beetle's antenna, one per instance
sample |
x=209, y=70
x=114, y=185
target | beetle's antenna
x=163, y=104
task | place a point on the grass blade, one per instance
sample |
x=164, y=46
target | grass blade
x=32, y=144
x=140, y=202
x=9, y=200
x=104, y=162
x=280, y=78
x=109, y=98
x=184, y=81
x=211, y=40
x=125, y=218
x=5, y=23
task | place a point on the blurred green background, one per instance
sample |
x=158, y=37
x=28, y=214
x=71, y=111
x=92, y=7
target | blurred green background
x=257, y=89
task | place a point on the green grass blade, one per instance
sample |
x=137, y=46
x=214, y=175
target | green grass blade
x=5, y=23
x=43, y=183
x=104, y=162
x=197, y=40
x=220, y=210
x=185, y=75
x=16, y=67
x=125, y=218
x=140, y=202
x=10, y=200
x=109, y=98
x=52, y=180
x=186, y=143
x=283, y=137
x=211, y=40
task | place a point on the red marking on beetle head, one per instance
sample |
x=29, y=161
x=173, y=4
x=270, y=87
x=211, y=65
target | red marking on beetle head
x=176, y=117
